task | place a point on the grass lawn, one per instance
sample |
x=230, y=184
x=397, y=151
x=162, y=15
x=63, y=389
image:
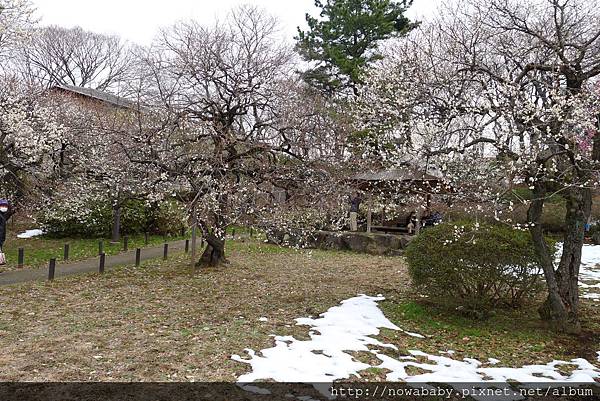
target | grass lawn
x=39, y=250
x=163, y=322
x=516, y=338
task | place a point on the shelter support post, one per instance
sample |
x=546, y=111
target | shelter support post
x=370, y=207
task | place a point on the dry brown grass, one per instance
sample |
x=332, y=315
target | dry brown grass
x=163, y=322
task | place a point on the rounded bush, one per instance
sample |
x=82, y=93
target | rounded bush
x=475, y=266
x=168, y=217
x=94, y=218
x=76, y=219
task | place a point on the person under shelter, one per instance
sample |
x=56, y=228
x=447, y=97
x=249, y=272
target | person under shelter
x=355, y=201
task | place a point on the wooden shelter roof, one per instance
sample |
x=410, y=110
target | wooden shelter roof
x=409, y=179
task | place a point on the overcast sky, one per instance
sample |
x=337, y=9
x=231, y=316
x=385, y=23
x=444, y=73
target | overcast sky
x=139, y=20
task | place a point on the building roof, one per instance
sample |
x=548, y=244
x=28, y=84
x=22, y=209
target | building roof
x=97, y=95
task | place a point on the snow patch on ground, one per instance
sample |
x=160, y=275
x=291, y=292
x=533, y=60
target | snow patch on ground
x=590, y=263
x=589, y=271
x=30, y=233
x=324, y=357
x=351, y=326
x=442, y=369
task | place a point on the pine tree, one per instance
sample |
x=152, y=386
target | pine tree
x=345, y=40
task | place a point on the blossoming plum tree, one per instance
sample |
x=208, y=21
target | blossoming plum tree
x=500, y=95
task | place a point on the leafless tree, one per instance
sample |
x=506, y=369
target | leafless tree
x=73, y=56
x=214, y=133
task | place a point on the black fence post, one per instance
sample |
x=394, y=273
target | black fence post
x=251, y=232
x=187, y=245
x=100, y=247
x=146, y=237
x=138, y=256
x=21, y=258
x=165, y=251
x=125, y=242
x=51, y=268
x=233, y=233
x=66, y=252
x=102, y=262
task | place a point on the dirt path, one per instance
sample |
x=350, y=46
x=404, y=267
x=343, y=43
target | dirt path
x=88, y=265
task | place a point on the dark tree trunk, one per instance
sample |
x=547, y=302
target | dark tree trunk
x=116, y=228
x=214, y=253
x=560, y=309
x=194, y=233
x=579, y=204
x=62, y=161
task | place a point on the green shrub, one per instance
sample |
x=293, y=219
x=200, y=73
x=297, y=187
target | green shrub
x=168, y=217
x=474, y=266
x=76, y=219
x=136, y=217
x=93, y=218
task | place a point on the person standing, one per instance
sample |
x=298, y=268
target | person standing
x=6, y=213
x=354, y=208
x=411, y=222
